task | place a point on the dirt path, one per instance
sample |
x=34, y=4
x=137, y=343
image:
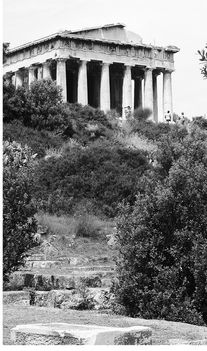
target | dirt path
x=162, y=330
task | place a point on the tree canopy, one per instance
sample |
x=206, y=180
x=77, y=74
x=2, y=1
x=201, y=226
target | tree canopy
x=203, y=60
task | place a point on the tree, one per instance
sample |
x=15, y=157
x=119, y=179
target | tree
x=19, y=224
x=203, y=60
x=5, y=51
x=162, y=242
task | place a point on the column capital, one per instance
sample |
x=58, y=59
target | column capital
x=47, y=63
x=60, y=59
x=83, y=62
x=127, y=67
x=32, y=67
x=149, y=69
x=156, y=73
x=167, y=70
x=105, y=64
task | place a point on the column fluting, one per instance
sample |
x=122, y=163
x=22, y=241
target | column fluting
x=167, y=93
x=82, y=83
x=105, y=88
x=61, y=77
x=127, y=92
x=148, y=89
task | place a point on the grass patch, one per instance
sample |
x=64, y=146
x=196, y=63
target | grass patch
x=136, y=141
x=69, y=237
x=162, y=330
x=80, y=225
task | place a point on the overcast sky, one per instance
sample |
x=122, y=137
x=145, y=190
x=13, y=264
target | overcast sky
x=161, y=22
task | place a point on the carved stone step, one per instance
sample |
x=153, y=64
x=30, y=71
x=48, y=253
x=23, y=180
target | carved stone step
x=46, y=282
x=32, y=265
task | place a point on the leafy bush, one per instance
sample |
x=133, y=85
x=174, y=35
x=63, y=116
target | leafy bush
x=19, y=223
x=142, y=114
x=162, y=265
x=178, y=143
x=140, y=124
x=201, y=122
x=41, y=108
x=88, y=225
x=38, y=107
x=104, y=173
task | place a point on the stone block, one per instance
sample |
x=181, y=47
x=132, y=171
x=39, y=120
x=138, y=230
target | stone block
x=75, y=261
x=75, y=334
x=101, y=298
x=187, y=342
x=40, y=298
x=93, y=281
x=16, y=281
x=64, y=282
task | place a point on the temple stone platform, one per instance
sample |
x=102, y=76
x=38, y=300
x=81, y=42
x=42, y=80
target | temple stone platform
x=75, y=334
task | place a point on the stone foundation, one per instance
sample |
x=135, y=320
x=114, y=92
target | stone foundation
x=74, y=334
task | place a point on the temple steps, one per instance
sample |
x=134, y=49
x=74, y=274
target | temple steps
x=95, y=276
x=90, y=298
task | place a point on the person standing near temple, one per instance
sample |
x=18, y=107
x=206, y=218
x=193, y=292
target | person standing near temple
x=168, y=117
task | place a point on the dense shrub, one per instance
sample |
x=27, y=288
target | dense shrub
x=162, y=266
x=85, y=123
x=141, y=124
x=87, y=226
x=8, y=100
x=151, y=130
x=38, y=141
x=178, y=143
x=41, y=108
x=19, y=224
x=103, y=173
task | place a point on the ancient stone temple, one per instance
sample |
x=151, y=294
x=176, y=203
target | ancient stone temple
x=106, y=67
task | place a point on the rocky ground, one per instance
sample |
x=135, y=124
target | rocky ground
x=75, y=288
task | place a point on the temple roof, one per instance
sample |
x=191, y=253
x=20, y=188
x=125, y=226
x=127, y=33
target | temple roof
x=115, y=32
x=111, y=33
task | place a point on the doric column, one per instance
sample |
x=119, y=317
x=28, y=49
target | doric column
x=32, y=77
x=39, y=72
x=18, y=79
x=167, y=93
x=46, y=70
x=14, y=79
x=61, y=77
x=148, y=89
x=155, y=101
x=82, y=83
x=127, y=91
x=105, y=88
